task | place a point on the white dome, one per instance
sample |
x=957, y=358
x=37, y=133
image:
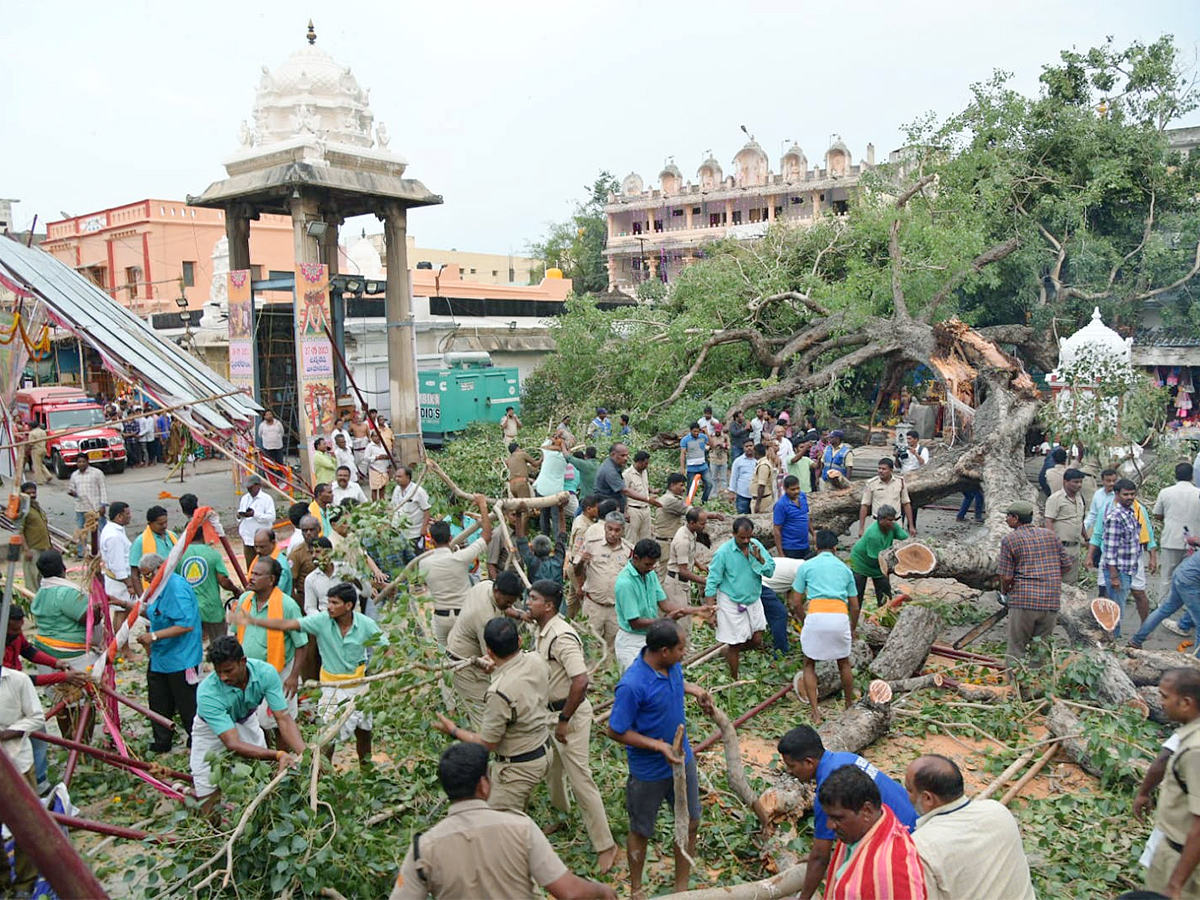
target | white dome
x=631, y=186
x=363, y=259
x=311, y=93
x=1094, y=338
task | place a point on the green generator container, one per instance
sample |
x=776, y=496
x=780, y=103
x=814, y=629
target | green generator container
x=468, y=388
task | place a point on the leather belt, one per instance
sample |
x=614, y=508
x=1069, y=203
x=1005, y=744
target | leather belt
x=671, y=574
x=446, y=612
x=1070, y=543
x=524, y=757
x=638, y=506
x=557, y=705
x=1174, y=845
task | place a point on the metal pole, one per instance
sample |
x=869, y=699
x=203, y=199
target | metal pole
x=354, y=384
x=38, y=835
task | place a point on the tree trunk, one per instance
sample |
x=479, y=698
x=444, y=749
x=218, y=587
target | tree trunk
x=1113, y=688
x=1153, y=701
x=1146, y=667
x=915, y=630
x=1063, y=723
x=829, y=681
x=915, y=684
x=1075, y=615
x=873, y=633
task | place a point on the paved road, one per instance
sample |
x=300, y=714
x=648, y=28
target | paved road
x=210, y=480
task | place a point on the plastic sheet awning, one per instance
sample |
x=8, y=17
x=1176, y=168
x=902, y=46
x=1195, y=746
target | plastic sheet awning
x=129, y=347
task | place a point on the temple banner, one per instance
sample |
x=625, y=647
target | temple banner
x=318, y=396
x=241, y=330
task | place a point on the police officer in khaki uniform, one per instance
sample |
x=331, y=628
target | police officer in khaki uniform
x=478, y=851
x=515, y=718
x=446, y=571
x=1178, y=814
x=484, y=602
x=885, y=489
x=682, y=571
x=559, y=645
x=638, y=482
x=599, y=563
x=669, y=516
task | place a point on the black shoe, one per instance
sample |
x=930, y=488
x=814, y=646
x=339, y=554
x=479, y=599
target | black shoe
x=158, y=748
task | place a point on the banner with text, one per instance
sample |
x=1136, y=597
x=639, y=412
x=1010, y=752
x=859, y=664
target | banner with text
x=318, y=395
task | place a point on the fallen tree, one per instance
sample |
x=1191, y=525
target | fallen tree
x=904, y=653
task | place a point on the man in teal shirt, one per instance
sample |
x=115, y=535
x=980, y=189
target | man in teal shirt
x=641, y=601
x=735, y=579
x=226, y=703
x=155, y=538
x=284, y=652
x=825, y=603
x=343, y=637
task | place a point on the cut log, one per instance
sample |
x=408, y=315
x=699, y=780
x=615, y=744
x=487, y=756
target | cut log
x=829, y=681
x=682, y=816
x=1063, y=723
x=1153, y=703
x=1075, y=615
x=1113, y=688
x=735, y=771
x=914, y=559
x=853, y=730
x=908, y=645
x=917, y=683
x=1146, y=667
x=786, y=883
x=873, y=633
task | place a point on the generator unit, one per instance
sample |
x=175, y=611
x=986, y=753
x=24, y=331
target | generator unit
x=466, y=388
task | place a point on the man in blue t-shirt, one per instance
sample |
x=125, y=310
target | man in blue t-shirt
x=693, y=458
x=805, y=758
x=647, y=712
x=791, y=522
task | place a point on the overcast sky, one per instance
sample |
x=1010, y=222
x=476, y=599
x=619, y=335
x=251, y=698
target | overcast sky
x=509, y=110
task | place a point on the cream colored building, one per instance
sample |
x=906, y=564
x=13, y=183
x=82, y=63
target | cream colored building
x=480, y=268
x=654, y=232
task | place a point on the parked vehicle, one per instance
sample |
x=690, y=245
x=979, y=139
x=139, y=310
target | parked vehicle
x=75, y=424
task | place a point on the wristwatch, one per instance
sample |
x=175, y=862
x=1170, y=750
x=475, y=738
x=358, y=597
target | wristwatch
x=153, y=636
x=563, y=717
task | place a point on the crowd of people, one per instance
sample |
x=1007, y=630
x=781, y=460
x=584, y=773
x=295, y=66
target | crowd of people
x=617, y=556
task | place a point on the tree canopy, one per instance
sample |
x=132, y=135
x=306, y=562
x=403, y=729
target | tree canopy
x=1017, y=215
x=577, y=245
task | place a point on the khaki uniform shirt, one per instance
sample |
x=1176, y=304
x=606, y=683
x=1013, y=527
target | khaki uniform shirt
x=477, y=851
x=445, y=572
x=602, y=571
x=640, y=482
x=1054, y=477
x=876, y=494
x=515, y=717
x=669, y=516
x=1067, y=515
x=519, y=465
x=1176, y=806
x=558, y=644
x=683, y=551
x=579, y=528
x=764, y=477
x=466, y=637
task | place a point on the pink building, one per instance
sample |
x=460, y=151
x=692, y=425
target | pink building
x=149, y=253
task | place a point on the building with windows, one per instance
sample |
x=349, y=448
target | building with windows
x=655, y=232
x=148, y=254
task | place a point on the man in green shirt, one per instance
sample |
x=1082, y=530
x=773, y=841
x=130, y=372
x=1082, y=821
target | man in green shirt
x=864, y=555
x=203, y=568
x=343, y=636
x=226, y=705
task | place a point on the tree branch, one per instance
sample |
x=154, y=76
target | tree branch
x=758, y=303
x=899, y=304
x=995, y=254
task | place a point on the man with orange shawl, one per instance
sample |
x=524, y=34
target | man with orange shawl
x=874, y=858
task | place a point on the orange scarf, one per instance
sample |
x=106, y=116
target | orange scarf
x=276, y=652
x=150, y=541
